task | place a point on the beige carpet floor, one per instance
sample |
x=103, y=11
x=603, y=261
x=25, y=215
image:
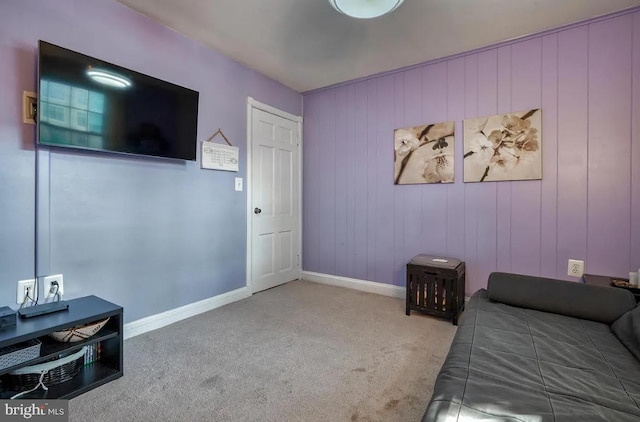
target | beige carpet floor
x=299, y=352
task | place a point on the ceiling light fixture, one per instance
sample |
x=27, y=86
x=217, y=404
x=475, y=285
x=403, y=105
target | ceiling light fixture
x=108, y=78
x=365, y=9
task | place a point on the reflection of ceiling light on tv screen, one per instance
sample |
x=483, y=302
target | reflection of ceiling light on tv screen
x=108, y=78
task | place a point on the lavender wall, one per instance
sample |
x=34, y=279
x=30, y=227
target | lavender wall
x=585, y=78
x=147, y=234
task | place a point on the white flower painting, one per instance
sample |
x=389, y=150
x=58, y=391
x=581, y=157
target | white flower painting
x=503, y=147
x=424, y=154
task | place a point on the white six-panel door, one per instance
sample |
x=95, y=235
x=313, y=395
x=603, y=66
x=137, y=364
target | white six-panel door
x=274, y=200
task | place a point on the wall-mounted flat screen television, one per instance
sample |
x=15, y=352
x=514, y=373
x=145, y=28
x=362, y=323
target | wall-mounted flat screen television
x=87, y=103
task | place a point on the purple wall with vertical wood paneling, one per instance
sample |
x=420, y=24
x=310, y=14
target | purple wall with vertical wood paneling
x=586, y=79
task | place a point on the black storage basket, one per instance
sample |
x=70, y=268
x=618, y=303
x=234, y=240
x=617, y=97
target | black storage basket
x=56, y=375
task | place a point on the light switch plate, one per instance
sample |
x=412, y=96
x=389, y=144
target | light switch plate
x=29, y=107
x=238, y=184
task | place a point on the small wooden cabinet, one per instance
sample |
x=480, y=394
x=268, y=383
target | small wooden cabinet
x=606, y=281
x=81, y=311
x=435, y=286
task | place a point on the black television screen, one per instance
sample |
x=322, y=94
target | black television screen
x=87, y=103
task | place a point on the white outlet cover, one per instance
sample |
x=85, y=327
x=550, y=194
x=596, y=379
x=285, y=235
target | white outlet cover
x=48, y=280
x=22, y=284
x=575, y=268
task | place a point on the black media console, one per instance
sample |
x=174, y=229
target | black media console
x=81, y=311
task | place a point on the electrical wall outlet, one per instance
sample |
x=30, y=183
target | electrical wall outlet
x=576, y=268
x=26, y=287
x=48, y=285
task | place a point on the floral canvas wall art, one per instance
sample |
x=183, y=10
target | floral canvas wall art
x=424, y=154
x=503, y=147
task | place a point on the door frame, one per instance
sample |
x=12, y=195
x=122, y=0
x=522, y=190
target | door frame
x=251, y=105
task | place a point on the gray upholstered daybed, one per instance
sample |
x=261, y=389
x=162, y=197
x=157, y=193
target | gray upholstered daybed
x=535, y=349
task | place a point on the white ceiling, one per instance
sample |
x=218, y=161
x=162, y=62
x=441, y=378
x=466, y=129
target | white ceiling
x=306, y=44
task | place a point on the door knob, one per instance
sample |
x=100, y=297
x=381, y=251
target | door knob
x=257, y=211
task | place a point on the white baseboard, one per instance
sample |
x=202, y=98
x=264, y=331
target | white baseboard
x=355, y=284
x=362, y=285
x=162, y=319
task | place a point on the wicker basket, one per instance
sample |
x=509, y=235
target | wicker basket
x=82, y=332
x=28, y=377
x=19, y=353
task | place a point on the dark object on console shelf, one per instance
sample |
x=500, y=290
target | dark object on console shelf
x=7, y=317
x=44, y=309
x=435, y=286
